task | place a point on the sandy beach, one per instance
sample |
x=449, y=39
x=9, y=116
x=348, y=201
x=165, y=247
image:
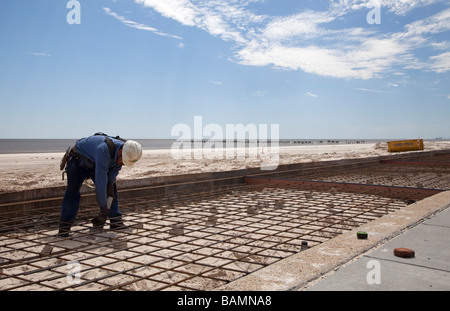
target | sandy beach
x=39, y=170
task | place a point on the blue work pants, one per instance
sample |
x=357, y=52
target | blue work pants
x=77, y=173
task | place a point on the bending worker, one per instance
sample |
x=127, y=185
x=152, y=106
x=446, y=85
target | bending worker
x=100, y=158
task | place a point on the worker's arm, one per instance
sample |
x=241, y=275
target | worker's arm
x=112, y=174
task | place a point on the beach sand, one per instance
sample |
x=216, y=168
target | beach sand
x=40, y=170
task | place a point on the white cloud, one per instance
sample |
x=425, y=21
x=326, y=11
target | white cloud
x=310, y=59
x=216, y=82
x=182, y=11
x=357, y=54
x=440, y=63
x=39, y=54
x=219, y=18
x=443, y=45
x=369, y=90
x=437, y=23
x=306, y=40
x=304, y=24
x=136, y=25
x=399, y=7
x=259, y=93
x=402, y=7
x=311, y=94
x=390, y=84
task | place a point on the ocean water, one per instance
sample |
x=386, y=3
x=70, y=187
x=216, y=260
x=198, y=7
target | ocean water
x=8, y=146
x=61, y=145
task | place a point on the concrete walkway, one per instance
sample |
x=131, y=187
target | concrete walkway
x=379, y=269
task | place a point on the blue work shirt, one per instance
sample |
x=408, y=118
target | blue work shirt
x=106, y=168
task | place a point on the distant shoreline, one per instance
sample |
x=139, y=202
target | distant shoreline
x=23, y=145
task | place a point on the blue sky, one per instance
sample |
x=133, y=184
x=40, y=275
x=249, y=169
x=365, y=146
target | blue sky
x=136, y=68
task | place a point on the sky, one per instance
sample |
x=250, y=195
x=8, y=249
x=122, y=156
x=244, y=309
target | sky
x=346, y=69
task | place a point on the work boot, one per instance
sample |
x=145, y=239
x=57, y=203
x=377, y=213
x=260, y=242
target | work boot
x=118, y=225
x=64, y=229
x=63, y=232
x=98, y=221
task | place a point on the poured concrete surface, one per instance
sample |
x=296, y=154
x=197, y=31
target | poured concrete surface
x=429, y=269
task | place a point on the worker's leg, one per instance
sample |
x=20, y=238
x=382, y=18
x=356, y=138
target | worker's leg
x=98, y=221
x=115, y=216
x=114, y=213
x=69, y=209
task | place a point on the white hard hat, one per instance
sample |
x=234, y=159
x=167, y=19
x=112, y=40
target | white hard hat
x=131, y=152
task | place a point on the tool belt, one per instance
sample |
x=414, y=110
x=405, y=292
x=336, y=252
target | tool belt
x=66, y=156
x=71, y=152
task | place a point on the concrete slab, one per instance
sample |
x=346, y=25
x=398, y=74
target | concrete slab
x=430, y=244
x=394, y=276
x=379, y=269
x=442, y=220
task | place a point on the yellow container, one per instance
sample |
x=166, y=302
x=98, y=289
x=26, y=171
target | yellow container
x=405, y=145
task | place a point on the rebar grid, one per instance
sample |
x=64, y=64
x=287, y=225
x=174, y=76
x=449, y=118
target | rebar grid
x=185, y=241
x=393, y=174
